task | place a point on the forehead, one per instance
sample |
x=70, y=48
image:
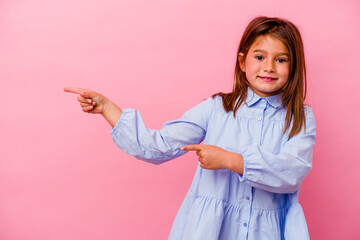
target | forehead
x=270, y=44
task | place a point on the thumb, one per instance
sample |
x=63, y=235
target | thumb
x=195, y=147
x=89, y=94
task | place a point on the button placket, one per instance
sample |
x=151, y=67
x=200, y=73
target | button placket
x=247, y=210
x=261, y=119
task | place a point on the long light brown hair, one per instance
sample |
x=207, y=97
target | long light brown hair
x=293, y=92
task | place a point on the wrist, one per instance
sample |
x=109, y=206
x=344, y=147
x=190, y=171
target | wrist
x=111, y=113
x=236, y=163
x=106, y=108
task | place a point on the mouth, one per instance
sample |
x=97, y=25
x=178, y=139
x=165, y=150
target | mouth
x=267, y=79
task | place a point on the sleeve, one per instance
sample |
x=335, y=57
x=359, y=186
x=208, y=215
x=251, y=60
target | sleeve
x=159, y=146
x=285, y=171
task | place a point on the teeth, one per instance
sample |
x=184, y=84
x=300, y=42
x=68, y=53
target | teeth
x=268, y=78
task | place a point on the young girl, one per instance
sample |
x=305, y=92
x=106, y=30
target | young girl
x=257, y=148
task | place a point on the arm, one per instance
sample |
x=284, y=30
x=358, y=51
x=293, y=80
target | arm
x=159, y=146
x=133, y=137
x=93, y=102
x=282, y=172
x=260, y=168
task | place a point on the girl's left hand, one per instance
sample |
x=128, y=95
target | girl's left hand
x=213, y=157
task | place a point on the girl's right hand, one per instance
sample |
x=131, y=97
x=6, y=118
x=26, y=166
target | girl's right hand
x=93, y=102
x=90, y=101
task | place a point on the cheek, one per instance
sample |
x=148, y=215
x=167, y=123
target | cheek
x=252, y=67
x=284, y=71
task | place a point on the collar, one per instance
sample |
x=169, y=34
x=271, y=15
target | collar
x=252, y=98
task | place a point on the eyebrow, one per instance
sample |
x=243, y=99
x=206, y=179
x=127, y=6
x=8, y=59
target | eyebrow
x=263, y=51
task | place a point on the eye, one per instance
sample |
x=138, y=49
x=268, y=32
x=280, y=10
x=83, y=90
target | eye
x=259, y=57
x=282, y=60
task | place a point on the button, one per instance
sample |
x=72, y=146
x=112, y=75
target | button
x=245, y=224
x=263, y=100
x=255, y=144
x=247, y=198
x=259, y=119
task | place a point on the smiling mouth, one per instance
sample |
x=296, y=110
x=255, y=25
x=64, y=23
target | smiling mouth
x=267, y=79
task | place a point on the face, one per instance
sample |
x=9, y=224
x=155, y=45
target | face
x=266, y=65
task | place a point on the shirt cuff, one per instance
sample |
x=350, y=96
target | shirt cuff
x=249, y=151
x=126, y=113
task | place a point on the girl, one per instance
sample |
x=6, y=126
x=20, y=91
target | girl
x=258, y=142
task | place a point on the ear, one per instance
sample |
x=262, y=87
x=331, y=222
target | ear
x=241, y=58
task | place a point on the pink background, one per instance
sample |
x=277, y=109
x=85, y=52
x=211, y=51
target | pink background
x=61, y=176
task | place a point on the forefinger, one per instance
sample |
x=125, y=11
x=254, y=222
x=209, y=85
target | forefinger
x=191, y=148
x=74, y=90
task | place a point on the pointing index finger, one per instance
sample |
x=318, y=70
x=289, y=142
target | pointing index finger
x=74, y=90
x=191, y=148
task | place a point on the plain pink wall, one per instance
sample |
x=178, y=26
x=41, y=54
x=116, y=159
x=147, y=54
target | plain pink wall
x=61, y=176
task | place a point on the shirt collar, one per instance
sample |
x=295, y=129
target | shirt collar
x=253, y=98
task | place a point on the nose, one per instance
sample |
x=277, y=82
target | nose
x=268, y=66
